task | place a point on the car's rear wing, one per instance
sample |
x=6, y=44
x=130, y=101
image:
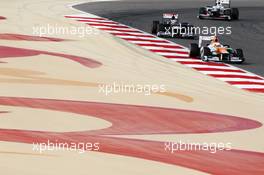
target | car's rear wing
x=204, y=38
x=170, y=15
x=225, y=3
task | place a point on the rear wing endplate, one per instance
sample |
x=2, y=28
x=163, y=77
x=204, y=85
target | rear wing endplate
x=223, y=2
x=204, y=38
x=170, y=15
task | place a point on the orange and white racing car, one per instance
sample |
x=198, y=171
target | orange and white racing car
x=215, y=51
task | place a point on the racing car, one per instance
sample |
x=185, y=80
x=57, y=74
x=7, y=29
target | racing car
x=171, y=27
x=221, y=10
x=214, y=51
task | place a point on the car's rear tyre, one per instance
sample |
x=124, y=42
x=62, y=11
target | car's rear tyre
x=194, y=50
x=235, y=13
x=155, y=27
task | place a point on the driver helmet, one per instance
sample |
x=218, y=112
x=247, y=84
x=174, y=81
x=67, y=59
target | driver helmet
x=173, y=19
x=215, y=39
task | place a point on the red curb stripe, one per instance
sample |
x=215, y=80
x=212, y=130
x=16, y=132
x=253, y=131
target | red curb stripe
x=235, y=76
x=245, y=83
x=118, y=30
x=127, y=34
x=103, y=22
x=168, y=51
x=74, y=17
x=138, y=39
x=203, y=63
x=112, y=26
x=216, y=69
x=164, y=46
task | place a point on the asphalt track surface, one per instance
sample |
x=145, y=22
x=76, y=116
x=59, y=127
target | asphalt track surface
x=247, y=33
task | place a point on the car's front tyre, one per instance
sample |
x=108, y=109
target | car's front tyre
x=194, y=50
x=155, y=27
x=235, y=13
x=202, y=11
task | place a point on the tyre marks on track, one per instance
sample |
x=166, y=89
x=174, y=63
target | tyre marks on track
x=19, y=37
x=9, y=52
